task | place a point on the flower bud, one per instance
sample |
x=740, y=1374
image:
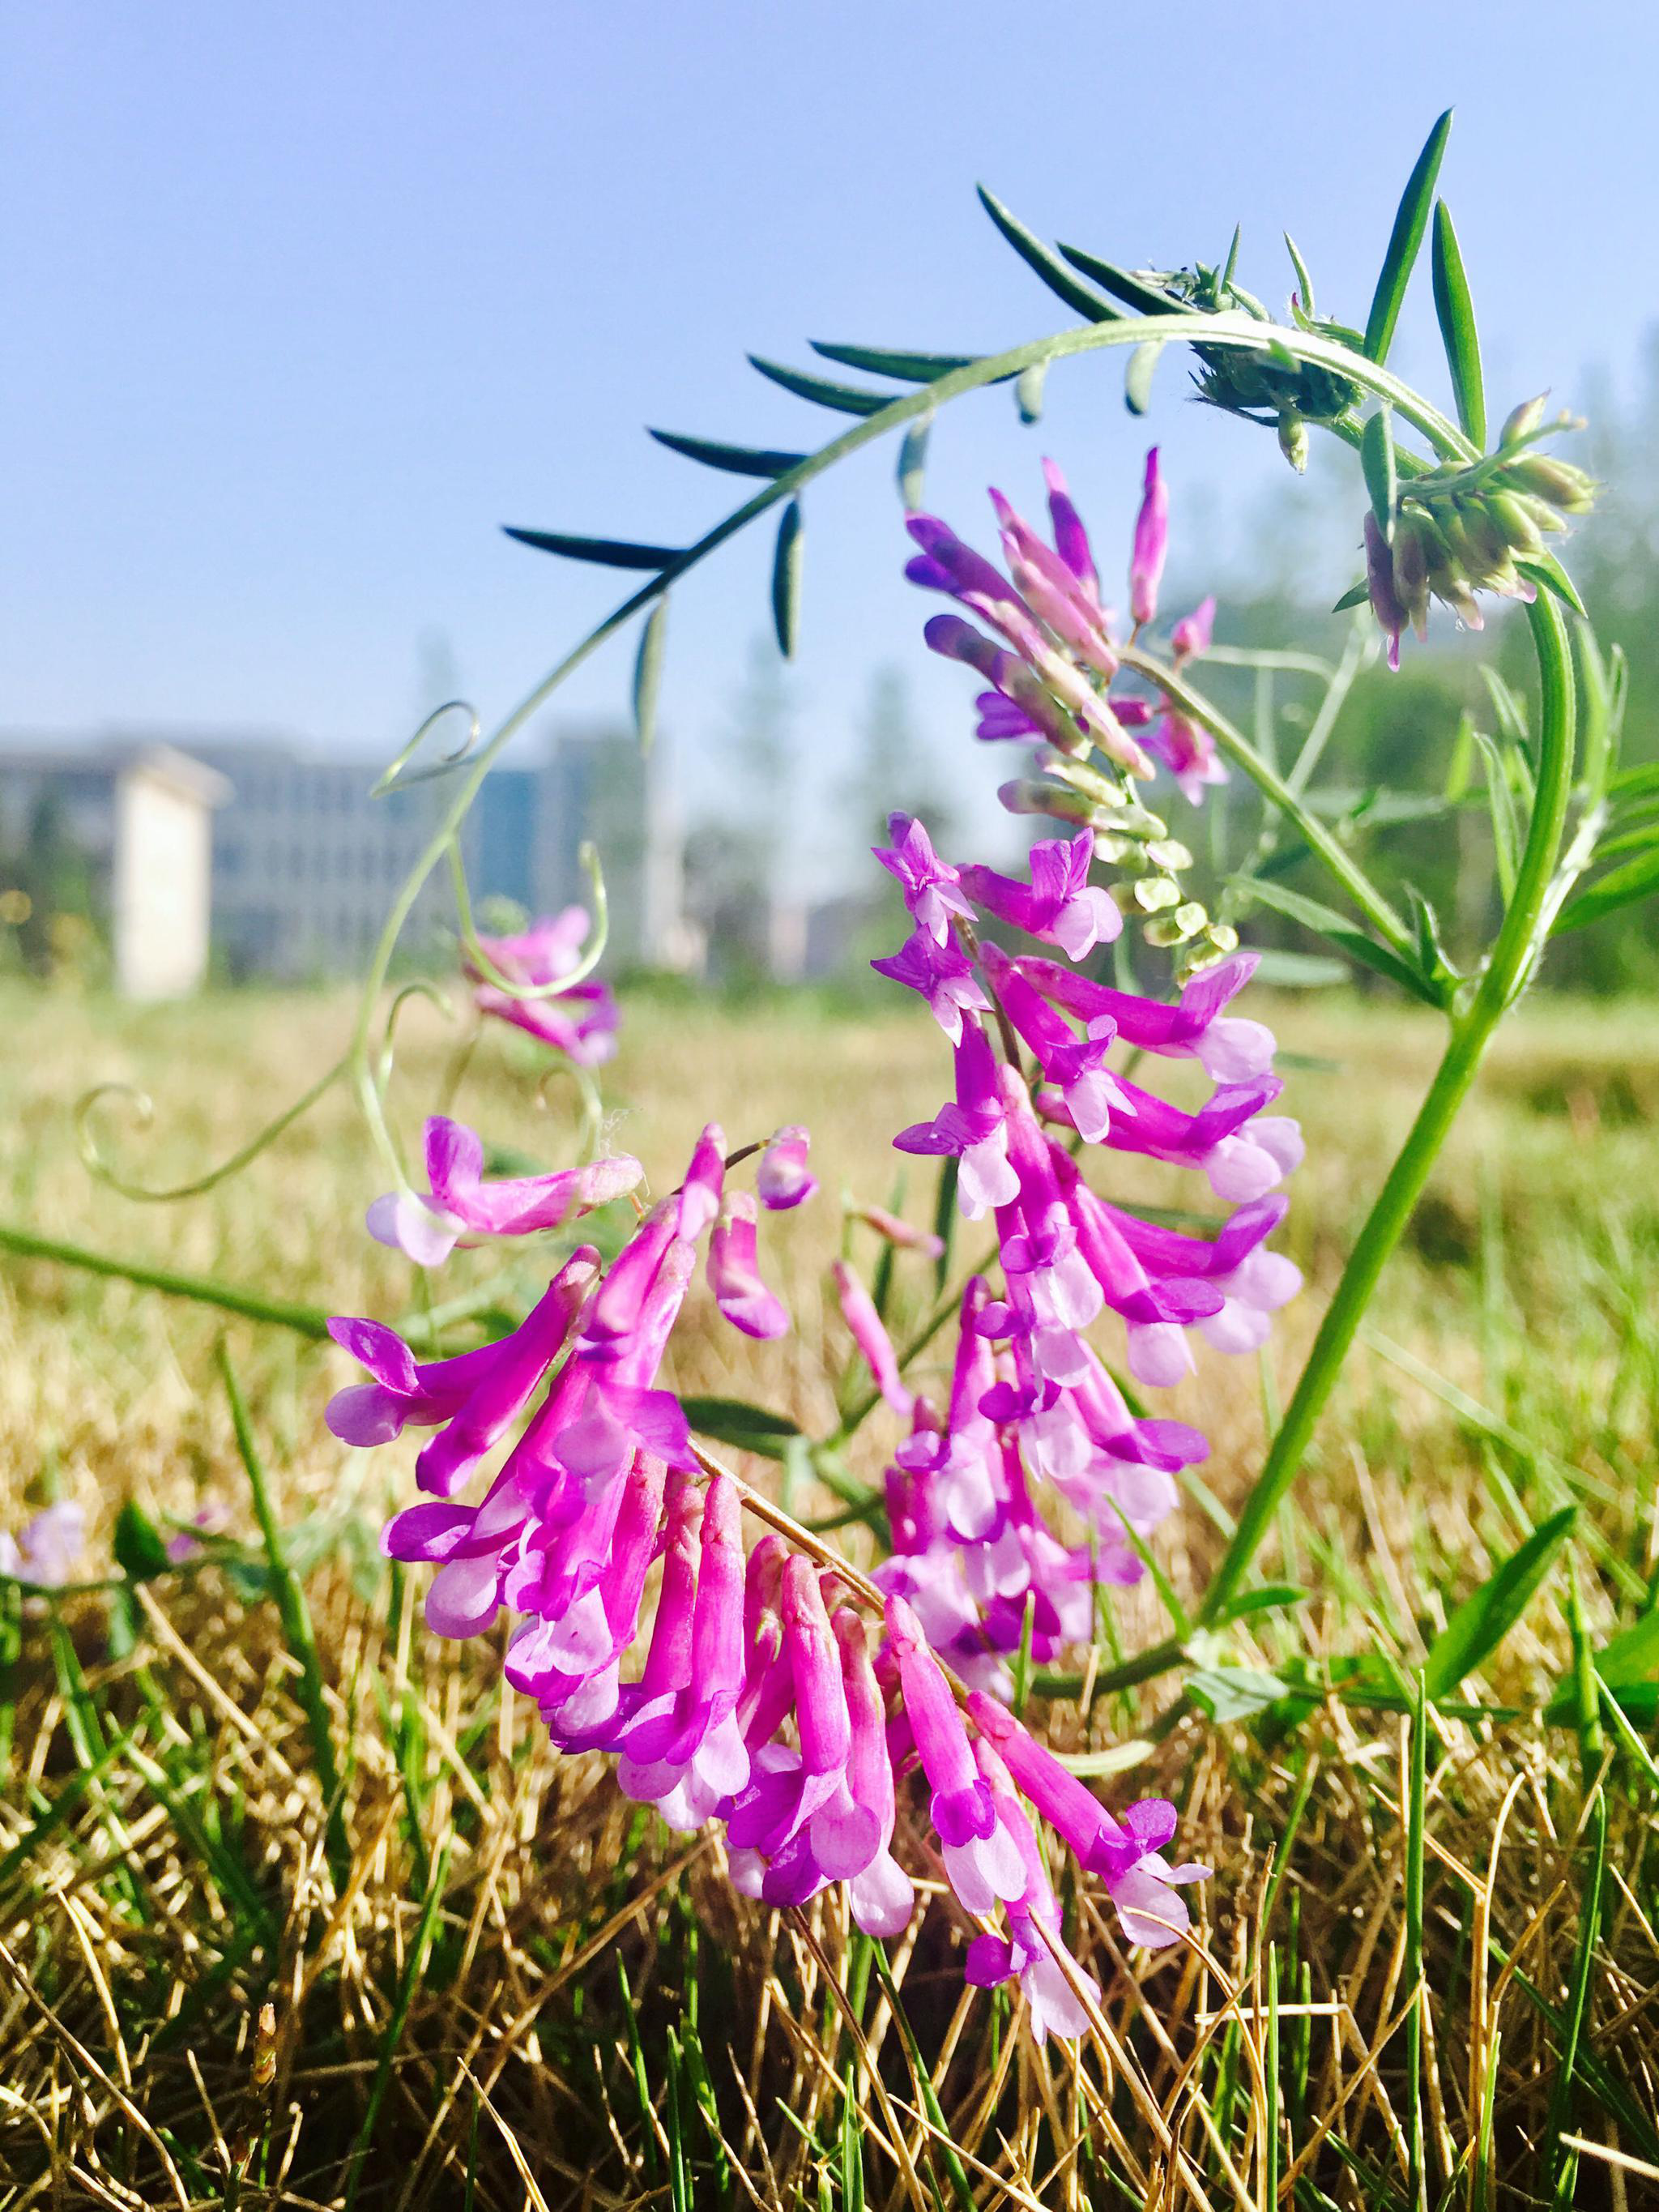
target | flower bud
x=1512, y=517
x=1027, y=795
x=1411, y=569
x=1523, y=421
x=1559, y=482
x=1293, y=439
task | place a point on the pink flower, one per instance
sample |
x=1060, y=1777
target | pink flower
x=858, y=1310
x=929, y=883
x=1059, y=903
x=461, y=1205
x=581, y=1022
x=734, y=1273
x=782, y=1179
x=1152, y=544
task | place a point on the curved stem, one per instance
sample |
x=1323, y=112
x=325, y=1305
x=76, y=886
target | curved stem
x=1194, y=707
x=1506, y=970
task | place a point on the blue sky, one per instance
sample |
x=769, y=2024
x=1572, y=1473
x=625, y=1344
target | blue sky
x=304, y=301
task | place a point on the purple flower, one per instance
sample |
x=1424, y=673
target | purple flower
x=782, y=1179
x=858, y=1310
x=942, y=973
x=1071, y=539
x=460, y=1203
x=1076, y=1065
x=1189, y=752
x=1059, y=904
x=1032, y=1950
x=471, y=1398
x=1151, y=544
x=1192, y=634
x=48, y=1551
x=581, y=1022
x=929, y=883
x=974, y=1127
x=1128, y=1857
x=859, y=1833
x=1386, y=603
x=980, y=1858
x=705, y=1179
x=1022, y=705
x=734, y=1272
x=1054, y=592
x=1230, y=1049
x=1253, y=1282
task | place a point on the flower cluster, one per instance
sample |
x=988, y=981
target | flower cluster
x=754, y=1692
x=1051, y=677
x=1032, y=1403
x=1454, y=531
x=579, y=1021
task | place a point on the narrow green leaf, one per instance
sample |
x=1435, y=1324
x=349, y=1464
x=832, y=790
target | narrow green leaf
x=1028, y=391
x=1304, y=282
x=846, y=399
x=1123, y=284
x=1230, y=267
x=1486, y=1618
x=1500, y=803
x=913, y=463
x=1544, y=568
x=1411, y=221
x=1456, y=312
x=1376, y=457
x=887, y=361
x=1511, y=714
x=1355, y=596
x=648, y=673
x=606, y=552
x=1047, y=264
x=1325, y=922
x=785, y=578
x=734, y=1421
x=1138, y=376
x=1620, y=887
x=1233, y=1693
x=735, y=460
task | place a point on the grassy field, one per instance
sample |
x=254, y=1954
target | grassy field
x=472, y=1974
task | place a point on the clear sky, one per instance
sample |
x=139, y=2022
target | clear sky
x=304, y=300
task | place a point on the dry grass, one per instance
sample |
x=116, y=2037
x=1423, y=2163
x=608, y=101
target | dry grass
x=514, y=1989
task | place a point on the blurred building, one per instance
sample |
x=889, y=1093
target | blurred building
x=294, y=865
x=139, y=819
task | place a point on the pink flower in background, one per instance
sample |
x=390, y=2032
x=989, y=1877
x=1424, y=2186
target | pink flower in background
x=462, y=1206
x=869, y=1334
x=783, y=1179
x=48, y=1550
x=581, y=1022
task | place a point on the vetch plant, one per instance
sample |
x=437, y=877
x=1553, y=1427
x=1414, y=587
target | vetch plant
x=781, y=1689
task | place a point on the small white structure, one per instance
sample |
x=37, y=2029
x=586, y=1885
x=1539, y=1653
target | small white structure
x=142, y=815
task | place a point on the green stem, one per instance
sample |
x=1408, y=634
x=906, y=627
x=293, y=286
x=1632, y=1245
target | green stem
x=1195, y=707
x=1506, y=970
x=252, y=1306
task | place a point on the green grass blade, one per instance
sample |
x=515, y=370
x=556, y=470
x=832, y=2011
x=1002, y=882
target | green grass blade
x=1486, y=1618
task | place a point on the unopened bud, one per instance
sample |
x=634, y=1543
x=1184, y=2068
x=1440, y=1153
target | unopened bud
x=1222, y=938
x=1293, y=439
x=1411, y=569
x=1155, y=893
x=1025, y=795
x=1169, y=852
x=1523, y=421
x=1511, y=516
x=263, y=2069
x=1559, y=482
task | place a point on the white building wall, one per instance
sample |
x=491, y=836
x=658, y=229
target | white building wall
x=160, y=889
